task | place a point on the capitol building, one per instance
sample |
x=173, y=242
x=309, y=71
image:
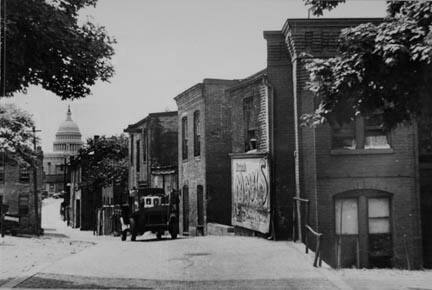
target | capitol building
x=67, y=143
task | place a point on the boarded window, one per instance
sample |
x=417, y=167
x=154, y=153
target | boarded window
x=131, y=149
x=197, y=134
x=346, y=216
x=184, y=138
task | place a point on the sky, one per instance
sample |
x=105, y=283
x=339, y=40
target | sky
x=166, y=46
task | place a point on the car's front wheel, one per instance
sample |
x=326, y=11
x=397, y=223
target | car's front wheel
x=173, y=228
x=133, y=229
x=124, y=235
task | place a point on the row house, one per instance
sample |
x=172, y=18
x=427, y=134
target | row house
x=17, y=190
x=425, y=163
x=84, y=198
x=362, y=182
x=204, y=142
x=153, y=152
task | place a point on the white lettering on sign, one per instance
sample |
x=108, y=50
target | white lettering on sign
x=251, y=193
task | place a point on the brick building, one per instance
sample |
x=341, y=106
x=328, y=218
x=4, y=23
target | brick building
x=17, y=190
x=204, y=142
x=425, y=162
x=261, y=185
x=362, y=182
x=84, y=199
x=153, y=152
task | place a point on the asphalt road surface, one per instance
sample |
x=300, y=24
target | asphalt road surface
x=213, y=262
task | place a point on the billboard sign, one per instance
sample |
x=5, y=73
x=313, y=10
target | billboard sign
x=250, y=187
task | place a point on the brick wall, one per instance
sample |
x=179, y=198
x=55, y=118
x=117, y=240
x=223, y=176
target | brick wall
x=161, y=150
x=325, y=173
x=191, y=170
x=217, y=144
x=258, y=90
x=279, y=69
x=12, y=189
x=211, y=168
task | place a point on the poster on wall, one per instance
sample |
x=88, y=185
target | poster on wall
x=251, y=193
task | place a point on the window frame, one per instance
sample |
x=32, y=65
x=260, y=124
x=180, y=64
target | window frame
x=24, y=174
x=138, y=155
x=250, y=127
x=197, y=133
x=145, y=145
x=359, y=139
x=184, y=136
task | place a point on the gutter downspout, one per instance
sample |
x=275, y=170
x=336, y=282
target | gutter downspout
x=270, y=148
x=296, y=152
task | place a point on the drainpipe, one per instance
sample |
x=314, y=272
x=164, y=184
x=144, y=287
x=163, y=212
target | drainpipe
x=297, y=148
x=270, y=149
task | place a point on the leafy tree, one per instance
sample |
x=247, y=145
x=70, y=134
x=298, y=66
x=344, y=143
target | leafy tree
x=16, y=133
x=104, y=161
x=383, y=68
x=46, y=45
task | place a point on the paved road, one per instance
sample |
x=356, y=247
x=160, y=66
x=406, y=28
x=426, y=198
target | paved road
x=197, y=262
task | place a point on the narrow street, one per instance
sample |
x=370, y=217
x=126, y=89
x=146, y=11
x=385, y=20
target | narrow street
x=87, y=261
x=69, y=258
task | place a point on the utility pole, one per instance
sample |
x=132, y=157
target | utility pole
x=35, y=186
x=3, y=47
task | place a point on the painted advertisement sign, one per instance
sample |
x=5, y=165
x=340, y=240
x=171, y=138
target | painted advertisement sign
x=251, y=193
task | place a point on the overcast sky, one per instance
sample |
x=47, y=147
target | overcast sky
x=163, y=48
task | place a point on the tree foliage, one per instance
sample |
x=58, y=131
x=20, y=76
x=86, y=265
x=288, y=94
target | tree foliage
x=46, y=45
x=16, y=135
x=383, y=68
x=104, y=161
x=319, y=6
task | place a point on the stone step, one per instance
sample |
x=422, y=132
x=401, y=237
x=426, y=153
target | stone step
x=220, y=229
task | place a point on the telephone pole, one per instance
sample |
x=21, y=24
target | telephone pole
x=35, y=186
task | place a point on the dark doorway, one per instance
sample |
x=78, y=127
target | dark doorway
x=200, y=210
x=363, y=230
x=185, y=210
x=78, y=213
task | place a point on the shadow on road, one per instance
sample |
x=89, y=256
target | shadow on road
x=156, y=240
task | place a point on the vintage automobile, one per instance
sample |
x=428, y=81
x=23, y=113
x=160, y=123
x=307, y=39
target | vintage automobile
x=153, y=211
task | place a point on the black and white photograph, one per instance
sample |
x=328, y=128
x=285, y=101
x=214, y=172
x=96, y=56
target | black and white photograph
x=203, y=144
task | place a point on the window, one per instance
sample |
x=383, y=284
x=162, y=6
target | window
x=346, y=216
x=2, y=167
x=24, y=174
x=23, y=205
x=138, y=155
x=379, y=215
x=361, y=133
x=197, y=134
x=250, y=123
x=375, y=137
x=184, y=138
x=145, y=142
x=343, y=136
x=131, y=149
